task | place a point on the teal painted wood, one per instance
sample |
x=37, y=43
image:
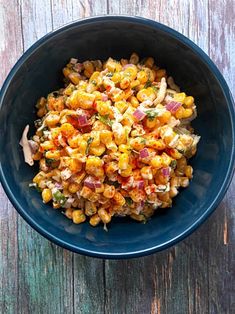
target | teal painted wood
x=195, y=276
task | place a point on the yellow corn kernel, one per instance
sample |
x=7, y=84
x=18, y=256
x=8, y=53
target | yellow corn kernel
x=126, y=172
x=37, y=156
x=74, y=140
x=86, y=192
x=52, y=119
x=119, y=199
x=59, y=104
x=175, y=153
x=160, y=74
x=41, y=112
x=125, y=83
x=146, y=173
x=188, y=172
x=123, y=148
x=98, y=95
x=106, y=136
x=97, y=150
x=111, y=168
x=123, y=161
x=184, y=182
x=166, y=160
x=95, y=220
x=69, y=89
x=104, y=108
x=78, y=177
x=116, y=78
x=74, y=164
x=130, y=72
x=121, y=105
x=73, y=187
x=99, y=126
x=81, y=99
x=165, y=117
x=95, y=138
x=66, y=71
x=146, y=94
x=90, y=208
x=104, y=215
x=128, y=119
x=95, y=78
x=46, y=195
x=69, y=213
x=188, y=101
x=78, y=216
x=134, y=58
x=67, y=129
x=149, y=62
x=134, y=83
x=88, y=66
x=180, y=113
x=187, y=113
x=137, y=195
x=118, y=96
x=134, y=101
x=82, y=147
x=74, y=77
x=180, y=97
x=39, y=176
x=112, y=146
x=156, y=162
x=55, y=154
x=151, y=123
x=47, y=145
x=137, y=143
x=109, y=191
x=142, y=77
x=173, y=191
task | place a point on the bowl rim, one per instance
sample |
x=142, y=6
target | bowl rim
x=230, y=170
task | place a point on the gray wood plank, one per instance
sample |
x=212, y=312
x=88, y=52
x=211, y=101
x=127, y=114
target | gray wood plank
x=45, y=270
x=10, y=50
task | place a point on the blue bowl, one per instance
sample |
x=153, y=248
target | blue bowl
x=39, y=71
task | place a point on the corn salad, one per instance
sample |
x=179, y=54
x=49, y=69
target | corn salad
x=115, y=141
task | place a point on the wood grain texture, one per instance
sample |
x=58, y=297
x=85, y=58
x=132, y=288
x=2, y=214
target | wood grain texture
x=195, y=276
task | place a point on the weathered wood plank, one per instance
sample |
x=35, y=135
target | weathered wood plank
x=10, y=50
x=222, y=232
x=45, y=270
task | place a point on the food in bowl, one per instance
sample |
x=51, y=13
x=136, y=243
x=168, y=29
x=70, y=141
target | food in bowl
x=115, y=141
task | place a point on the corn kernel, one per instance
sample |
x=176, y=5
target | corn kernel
x=180, y=97
x=126, y=172
x=55, y=154
x=149, y=62
x=46, y=195
x=67, y=129
x=189, y=101
x=73, y=187
x=156, y=162
x=121, y=105
x=145, y=94
x=125, y=83
x=189, y=172
x=69, y=213
x=95, y=220
x=97, y=150
x=116, y=78
x=90, y=208
x=78, y=216
x=104, y=215
x=119, y=199
x=166, y=160
x=142, y=77
x=123, y=161
x=134, y=58
x=74, y=77
x=109, y=191
x=146, y=173
x=160, y=74
x=187, y=113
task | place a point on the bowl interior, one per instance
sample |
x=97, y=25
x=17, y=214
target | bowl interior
x=39, y=72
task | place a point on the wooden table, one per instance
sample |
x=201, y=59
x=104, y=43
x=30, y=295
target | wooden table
x=195, y=276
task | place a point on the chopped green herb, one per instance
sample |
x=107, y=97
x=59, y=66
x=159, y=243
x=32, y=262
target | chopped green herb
x=114, y=183
x=151, y=114
x=34, y=185
x=143, y=141
x=89, y=141
x=59, y=198
x=173, y=164
x=128, y=201
x=110, y=74
x=38, y=123
x=49, y=161
x=94, y=82
x=105, y=119
x=155, y=88
x=148, y=84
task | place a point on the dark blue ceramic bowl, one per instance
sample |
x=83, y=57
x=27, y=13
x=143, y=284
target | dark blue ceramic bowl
x=39, y=71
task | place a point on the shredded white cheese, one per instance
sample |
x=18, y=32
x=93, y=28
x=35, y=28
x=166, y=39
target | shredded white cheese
x=161, y=93
x=26, y=147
